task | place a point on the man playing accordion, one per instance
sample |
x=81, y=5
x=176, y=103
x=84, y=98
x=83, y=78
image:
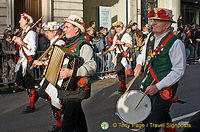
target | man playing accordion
x=74, y=118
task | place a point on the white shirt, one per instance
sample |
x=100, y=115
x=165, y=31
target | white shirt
x=177, y=57
x=89, y=66
x=31, y=40
x=126, y=38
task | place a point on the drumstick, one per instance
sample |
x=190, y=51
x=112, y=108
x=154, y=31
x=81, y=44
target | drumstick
x=129, y=86
x=143, y=96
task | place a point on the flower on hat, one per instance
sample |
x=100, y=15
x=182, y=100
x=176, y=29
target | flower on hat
x=27, y=17
x=52, y=26
x=163, y=14
x=151, y=13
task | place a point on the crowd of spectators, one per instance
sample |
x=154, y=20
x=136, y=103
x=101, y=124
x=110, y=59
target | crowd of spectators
x=190, y=35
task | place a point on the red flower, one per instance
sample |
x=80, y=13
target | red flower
x=163, y=14
x=151, y=13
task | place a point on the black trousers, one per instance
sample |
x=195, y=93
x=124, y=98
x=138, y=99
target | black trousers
x=159, y=115
x=74, y=118
x=26, y=81
x=120, y=68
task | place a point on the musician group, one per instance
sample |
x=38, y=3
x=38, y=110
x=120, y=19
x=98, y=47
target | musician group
x=162, y=58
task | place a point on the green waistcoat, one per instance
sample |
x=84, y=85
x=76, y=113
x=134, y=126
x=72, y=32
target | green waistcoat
x=160, y=64
x=80, y=42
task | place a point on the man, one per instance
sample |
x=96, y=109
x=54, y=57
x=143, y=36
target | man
x=93, y=26
x=28, y=46
x=52, y=33
x=109, y=41
x=163, y=57
x=74, y=118
x=122, y=50
x=134, y=44
x=8, y=60
x=134, y=27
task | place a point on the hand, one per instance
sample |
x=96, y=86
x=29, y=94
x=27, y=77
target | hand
x=8, y=40
x=151, y=90
x=17, y=40
x=37, y=63
x=137, y=70
x=65, y=72
x=119, y=42
x=104, y=53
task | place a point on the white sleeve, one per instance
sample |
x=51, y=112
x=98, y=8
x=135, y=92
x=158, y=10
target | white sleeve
x=89, y=66
x=31, y=40
x=178, y=60
x=127, y=38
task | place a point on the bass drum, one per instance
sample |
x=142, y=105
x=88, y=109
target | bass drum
x=126, y=107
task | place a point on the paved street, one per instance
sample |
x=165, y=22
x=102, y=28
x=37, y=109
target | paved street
x=101, y=106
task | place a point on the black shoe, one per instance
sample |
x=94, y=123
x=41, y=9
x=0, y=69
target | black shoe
x=55, y=128
x=29, y=109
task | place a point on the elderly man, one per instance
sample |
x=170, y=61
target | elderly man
x=163, y=58
x=74, y=118
x=52, y=32
x=28, y=46
x=122, y=46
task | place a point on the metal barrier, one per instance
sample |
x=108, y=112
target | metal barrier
x=7, y=67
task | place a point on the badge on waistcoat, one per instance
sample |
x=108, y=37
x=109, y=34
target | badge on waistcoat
x=166, y=93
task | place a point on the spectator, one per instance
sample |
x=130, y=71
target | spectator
x=99, y=45
x=134, y=27
x=109, y=41
x=198, y=42
x=38, y=31
x=44, y=43
x=139, y=40
x=9, y=52
x=103, y=30
x=16, y=31
x=90, y=33
x=134, y=44
x=93, y=26
x=180, y=21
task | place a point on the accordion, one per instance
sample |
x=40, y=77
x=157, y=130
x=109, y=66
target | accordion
x=62, y=57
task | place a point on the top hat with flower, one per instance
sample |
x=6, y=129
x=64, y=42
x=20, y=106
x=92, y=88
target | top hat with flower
x=161, y=14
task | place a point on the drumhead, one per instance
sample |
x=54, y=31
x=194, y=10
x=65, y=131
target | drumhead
x=126, y=107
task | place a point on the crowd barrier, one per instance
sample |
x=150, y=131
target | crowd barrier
x=7, y=69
